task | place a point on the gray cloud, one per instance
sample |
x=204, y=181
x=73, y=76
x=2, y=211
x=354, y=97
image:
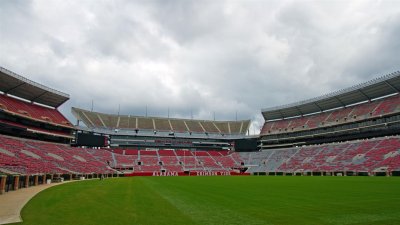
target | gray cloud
x=198, y=57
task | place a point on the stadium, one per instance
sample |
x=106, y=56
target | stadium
x=349, y=138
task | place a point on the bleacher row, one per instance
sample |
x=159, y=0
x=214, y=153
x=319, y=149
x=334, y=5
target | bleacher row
x=32, y=111
x=34, y=157
x=170, y=160
x=100, y=120
x=350, y=114
x=359, y=156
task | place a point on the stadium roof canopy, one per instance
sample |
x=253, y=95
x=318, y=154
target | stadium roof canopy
x=17, y=85
x=376, y=88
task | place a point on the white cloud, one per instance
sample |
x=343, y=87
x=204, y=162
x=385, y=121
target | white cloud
x=200, y=57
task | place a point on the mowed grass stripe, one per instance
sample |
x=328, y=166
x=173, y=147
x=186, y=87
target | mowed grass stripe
x=220, y=200
x=111, y=201
x=211, y=202
x=286, y=200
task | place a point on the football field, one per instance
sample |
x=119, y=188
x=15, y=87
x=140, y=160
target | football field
x=227, y=200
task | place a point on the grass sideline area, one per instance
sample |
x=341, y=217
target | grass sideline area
x=248, y=200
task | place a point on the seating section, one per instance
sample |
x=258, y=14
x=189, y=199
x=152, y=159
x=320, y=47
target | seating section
x=316, y=121
x=358, y=156
x=178, y=161
x=339, y=115
x=110, y=121
x=162, y=125
x=94, y=119
x=149, y=160
x=152, y=153
x=209, y=163
x=189, y=162
x=209, y=127
x=223, y=127
x=124, y=161
x=183, y=153
x=363, y=111
x=119, y=151
x=226, y=161
x=170, y=162
x=350, y=114
x=298, y=122
x=44, y=157
x=32, y=111
x=166, y=153
x=36, y=129
x=126, y=122
x=178, y=125
x=32, y=157
x=238, y=128
x=194, y=126
x=388, y=106
x=102, y=156
x=277, y=158
x=145, y=123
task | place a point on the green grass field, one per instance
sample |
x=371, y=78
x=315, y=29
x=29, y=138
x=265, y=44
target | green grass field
x=219, y=200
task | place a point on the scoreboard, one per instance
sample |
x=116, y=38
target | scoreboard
x=91, y=140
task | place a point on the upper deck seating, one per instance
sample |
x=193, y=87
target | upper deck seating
x=353, y=113
x=32, y=111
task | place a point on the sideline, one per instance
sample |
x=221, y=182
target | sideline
x=12, y=202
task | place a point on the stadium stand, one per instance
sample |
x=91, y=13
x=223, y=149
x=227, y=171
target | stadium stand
x=35, y=157
x=178, y=125
x=109, y=121
x=195, y=126
x=32, y=111
x=94, y=119
x=237, y=128
x=369, y=156
x=223, y=127
x=366, y=110
x=124, y=121
x=209, y=126
x=145, y=123
x=47, y=158
x=29, y=109
x=25, y=93
x=161, y=124
x=377, y=108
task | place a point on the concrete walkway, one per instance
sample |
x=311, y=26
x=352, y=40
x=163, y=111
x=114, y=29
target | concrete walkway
x=12, y=202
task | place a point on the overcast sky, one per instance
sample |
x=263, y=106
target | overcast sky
x=203, y=57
